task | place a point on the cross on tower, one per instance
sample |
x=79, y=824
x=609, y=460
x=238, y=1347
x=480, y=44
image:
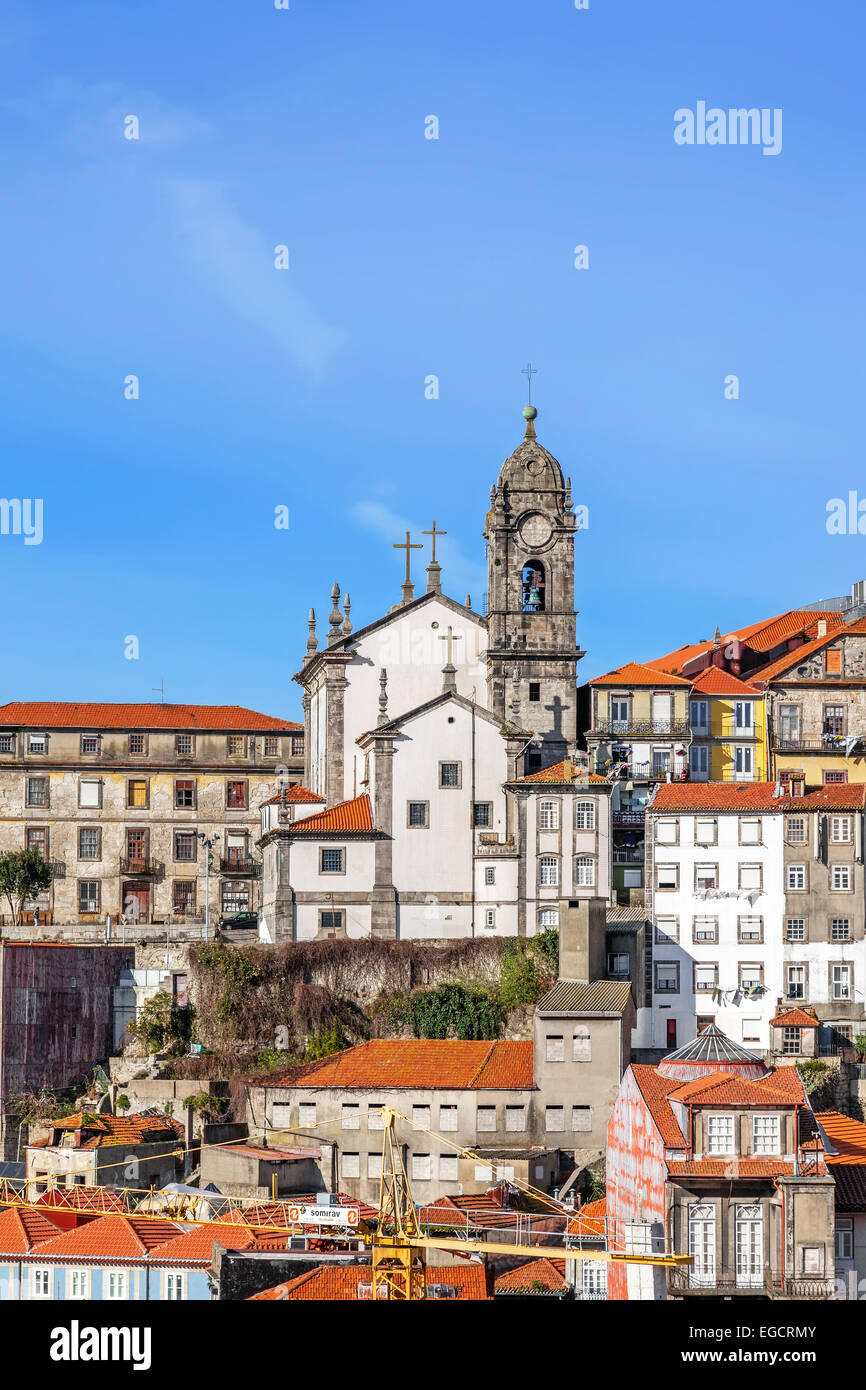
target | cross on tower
x=434, y=533
x=529, y=372
x=407, y=546
x=450, y=637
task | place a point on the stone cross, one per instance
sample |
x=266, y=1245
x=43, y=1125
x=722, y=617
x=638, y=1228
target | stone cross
x=434, y=533
x=450, y=637
x=407, y=546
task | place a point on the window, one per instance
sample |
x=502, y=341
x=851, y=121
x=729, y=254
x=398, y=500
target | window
x=297, y=745
x=422, y=1168
x=421, y=1116
x=749, y=1244
x=667, y=929
x=272, y=746
x=486, y=1118
x=706, y=831
x=750, y=832
x=844, y=1238
x=840, y=829
x=490, y=917
x=743, y=716
x=36, y=837
x=811, y=1259
x=706, y=977
x=175, y=1286
x=534, y=691
x=136, y=792
x=789, y=723
x=620, y=710
x=548, y=917
x=374, y=1115
x=554, y=1118
x=705, y=928
x=88, y=895
x=548, y=815
x=795, y=929
x=185, y=846
x=699, y=761
x=7, y=743
x=832, y=777
x=751, y=978
x=448, y=1119
x=751, y=878
x=795, y=878
x=331, y=861
x=840, y=981
x=667, y=977
x=183, y=895
x=236, y=745
x=584, y=815
x=548, y=871
x=795, y=830
x=90, y=791
x=833, y=661
x=750, y=928
x=235, y=894
x=515, y=1118
x=374, y=1165
x=449, y=775
x=699, y=715
x=350, y=1165
x=89, y=846
x=751, y=1030
x=236, y=796
x=766, y=1134
x=78, y=1283
x=489, y=875
x=796, y=981
x=667, y=832
x=706, y=877
x=114, y=1284
x=743, y=761
x=183, y=745
x=37, y=791
x=331, y=920
x=448, y=1167
x=840, y=929
x=350, y=1115
x=307, y=1113
x=720, y=1134
x=482, y=814
x=584, y=871
x=581, y=1119
x=90, y=743
x=417, y=815
x=667, y=876
x=554, y=1047
x=40, y=1282
x=840, y=878
x=617, y=963
x=37, y=743
x=593, y=1280
x=581, y=1045
x=137, y=743
x=702, y=1244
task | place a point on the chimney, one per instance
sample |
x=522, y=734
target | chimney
x=582, y=925
x=822, y=627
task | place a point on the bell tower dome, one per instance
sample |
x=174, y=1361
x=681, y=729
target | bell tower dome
x=532, y=643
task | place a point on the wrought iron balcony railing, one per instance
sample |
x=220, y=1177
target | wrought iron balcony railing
x=142, y=866
x=619, y=728
x=239, y=864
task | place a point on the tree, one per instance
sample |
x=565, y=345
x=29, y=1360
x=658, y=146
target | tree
x=23, y=874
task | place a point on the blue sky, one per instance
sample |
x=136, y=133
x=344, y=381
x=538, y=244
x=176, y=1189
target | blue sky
x=409, y=257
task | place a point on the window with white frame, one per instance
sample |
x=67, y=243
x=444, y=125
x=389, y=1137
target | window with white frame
x=667, y=977
x=795, y=878
x=840, y=878
x=766, y=1134
x=796, y=981
x=350, y=1115
x=554, y=1047
x=751, y=1030
x=581, y=1119
x=40, y=1281
x=548, y=815
x=448, y=1167
x=548, y=871
x=421, y=1116
x=751, y=977
x=840, y=981
x=37, y=743
x=750, y=928
x=307, y=1113
x=78, y=1283
x=706, y=977
x=175, y=1286
x=795, y=928
x=744, y=764
x=584, y=815
x=751, y=878
x=844, y=1238
x=750, y=832
x=705, y=929
x=840, y=829
x=706, y=877
x=584, y=871
x=350, y=1165
x=593, y=1279
x=554, y=1118
x=667, y=929
x=485, y=1119
x=743, y=716
x=795, y=830
x=667, y=876
x=699, y=761
x=581, y=1045
x=90, y=791
x=515, y=1119
x=699, y=715
x=667, y=832
x=720, y=1134
x=447, y=1119
x=374, y=1115
x=422, y=1167
x=840, y=929
x=114, y=1284
x=706, y=831
x=548, y=917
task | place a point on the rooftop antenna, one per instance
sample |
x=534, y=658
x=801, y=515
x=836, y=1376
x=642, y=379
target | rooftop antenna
x=161, y=689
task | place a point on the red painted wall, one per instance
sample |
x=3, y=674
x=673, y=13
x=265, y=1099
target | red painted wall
x=636, y=1173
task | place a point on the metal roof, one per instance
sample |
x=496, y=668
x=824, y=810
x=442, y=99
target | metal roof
x=625, y=914
x=574, y=996
x=712, y=1045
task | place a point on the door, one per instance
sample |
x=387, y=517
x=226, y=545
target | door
x=702, y=1245
x=136, y=902
x=661, y=712
x=749, y=1240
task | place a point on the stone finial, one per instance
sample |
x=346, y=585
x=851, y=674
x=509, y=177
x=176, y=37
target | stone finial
x=493, y=494
x=383, y=697
x=468, y=600
x=347, y=621
x=336, y=616
x=283, y=810
x=717, y=638
x=434, y=577
x=312, y=640
x=529, y=415
x=515, y=694
x=449, y=679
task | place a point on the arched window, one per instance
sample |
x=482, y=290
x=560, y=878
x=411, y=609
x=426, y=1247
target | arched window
x=533, y=587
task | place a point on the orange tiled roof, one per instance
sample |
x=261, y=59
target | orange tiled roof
x=550, y=1274
x=724, y=1088
x=732, y=1168
x=633, y=673
x=762, y=636
x=794, y=1018
x=589, y=1219
x=348, y=816
x=339, y=1283
x=754, y=796
x=104, y=1131
x=847, y=1136
x=294, y=795
x=793, y=658
x=566, y=771
x=276, y=1214
x=21, y=1230
x=110, y=1237
x=655, y=1088
x=715, y=681
x=55, y=714
x=419, y=1064
x=196, y=1245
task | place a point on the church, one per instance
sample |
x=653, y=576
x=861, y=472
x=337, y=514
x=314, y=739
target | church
x=443, y=794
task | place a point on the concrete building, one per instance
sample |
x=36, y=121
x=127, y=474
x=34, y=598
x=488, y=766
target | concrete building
x=715, y=1155
x=136, y=1151
x=844, y=1141
x=116, y=796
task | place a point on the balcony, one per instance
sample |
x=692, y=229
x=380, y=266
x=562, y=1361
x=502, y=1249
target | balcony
x=142, y=867
x=641, y=728
x=239, y=864
x=725, y=1283
x=628, y=856
x=840, y=744
x=489, y=844
x=58, y=868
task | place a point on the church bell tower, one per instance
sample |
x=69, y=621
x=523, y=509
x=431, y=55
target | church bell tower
x=532, y=643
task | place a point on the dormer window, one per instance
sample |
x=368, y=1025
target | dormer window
x=766, y=1134
x=720, y=1134
x=533, y=587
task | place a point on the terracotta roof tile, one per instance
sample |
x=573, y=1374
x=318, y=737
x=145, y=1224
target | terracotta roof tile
x=294, y=795
x=347, y=817
x=21, y=1230
x=714, y=681
x=104, y=1131
x=420, y=1064
x=549, y=1274
x=633, y=673
x=731, y=1168
x=561, y=773
x=110, y=1238
x=655, y=1088
x=54, y=714
x=724, y=1088
x=754, y=796
x=847, y=1136
x=761, y=636
x=340, y=1284
x=850, y=1180
x=196, y=1245
x=794, y=1018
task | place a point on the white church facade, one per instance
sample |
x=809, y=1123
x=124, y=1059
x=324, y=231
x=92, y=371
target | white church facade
x=443, y=794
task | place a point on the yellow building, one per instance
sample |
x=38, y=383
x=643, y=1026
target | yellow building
x=728, y=729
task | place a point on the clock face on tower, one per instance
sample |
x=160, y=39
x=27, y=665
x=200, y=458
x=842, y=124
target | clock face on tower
x=535, y=530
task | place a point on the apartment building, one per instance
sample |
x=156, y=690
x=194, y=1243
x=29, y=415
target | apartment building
x=117, y=797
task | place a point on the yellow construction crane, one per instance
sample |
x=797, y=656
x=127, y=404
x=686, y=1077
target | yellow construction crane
x=399, y=1248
